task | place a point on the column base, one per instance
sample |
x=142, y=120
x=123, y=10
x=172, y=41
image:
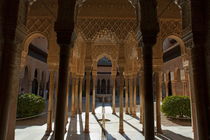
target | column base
x=47, y=132
x=134, y=115
x=121, y=131
x=114, y=113
x=86, y=131
x=159, y=131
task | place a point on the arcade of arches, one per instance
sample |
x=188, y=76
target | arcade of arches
x=105, y=48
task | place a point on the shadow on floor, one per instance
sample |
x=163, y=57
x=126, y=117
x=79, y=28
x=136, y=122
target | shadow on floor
x=37, y=121
x=169, y=135
x=130, y=124
x=181, y=122
x=74, y=132
x=105, y=135
x=125, y=136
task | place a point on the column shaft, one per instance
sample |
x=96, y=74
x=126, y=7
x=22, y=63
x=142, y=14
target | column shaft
x=80, y=96
x=9, y=89
x=121, y=127
x=113, y=96
x=142, y=99
x=62, y=87
x=157, y=90
x=73, y=97
x=173, y=84
x=148, y=96
x=94, y=95
x=126, y=96
x=67, y=101
x=131, y=95
x=50, y=103
x=76, y=105
x=134, y=98
x=166, y=88
x=87, y=101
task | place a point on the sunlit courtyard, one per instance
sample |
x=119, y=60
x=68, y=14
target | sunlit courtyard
x=103, y=126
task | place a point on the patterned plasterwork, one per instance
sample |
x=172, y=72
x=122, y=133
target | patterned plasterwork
x=105, y=37
x=89, y=27
x=170, y=27
x=105, y=50
x=40, y=24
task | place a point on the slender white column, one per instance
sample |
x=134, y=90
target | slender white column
x=50, y=104
x=72, y=97
x=87, y=101
x=134, y=98
x=121, y=127
x=126, y=96
x=80, y=95
x=158, y=115
x=94, y=94
x=76, y=96
x=131, y=95
x=113, y=95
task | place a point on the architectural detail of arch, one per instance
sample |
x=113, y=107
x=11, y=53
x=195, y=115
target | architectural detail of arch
x=170, y=27
x=177, y=74
x=91, y=26
x=29, y=38
x=131, y=37
x=41, y=24
x=25, y=45
x=105, y=36
x=99, y=51
x=180, y=41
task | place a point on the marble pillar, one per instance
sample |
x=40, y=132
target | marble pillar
x=80, y=95
x=134, y=98
x=73, y=96
x=142, y=99
x=62, y=88
x=126, y=96
x=50, y=104
x=121, y=127
x=131, y=94
x=158, y=96
x=94, y=94
x=87, y=101
x=67, y=100
x=76, y=96
x=113, y=95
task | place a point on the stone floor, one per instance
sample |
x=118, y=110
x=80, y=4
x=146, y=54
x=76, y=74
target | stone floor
x=101, y=130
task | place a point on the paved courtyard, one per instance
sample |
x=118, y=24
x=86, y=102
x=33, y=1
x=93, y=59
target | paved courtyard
x=101, y=130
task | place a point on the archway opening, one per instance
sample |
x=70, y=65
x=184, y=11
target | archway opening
x=36, y=50
x=171, y=49
x=35, y=85
x=25, y=81
x=104, y=67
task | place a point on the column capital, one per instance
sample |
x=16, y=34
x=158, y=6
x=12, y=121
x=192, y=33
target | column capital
x=81, y=77
x=113, y=76
x=88, y=69
x=131, y=77
x=121, y=69
x=73, y=75
x=94, y=73
x=64, y=24
x=114, y=73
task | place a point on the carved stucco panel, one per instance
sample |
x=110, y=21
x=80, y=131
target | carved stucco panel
x=101, y=50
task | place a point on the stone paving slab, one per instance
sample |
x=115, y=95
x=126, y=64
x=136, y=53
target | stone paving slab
x=75, y=127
